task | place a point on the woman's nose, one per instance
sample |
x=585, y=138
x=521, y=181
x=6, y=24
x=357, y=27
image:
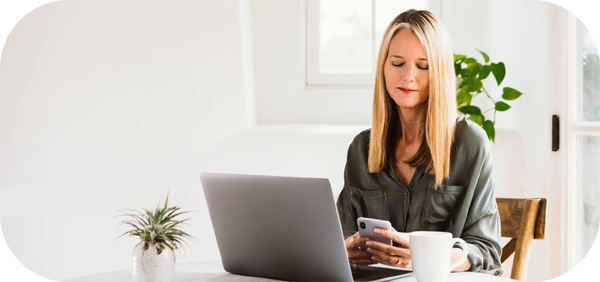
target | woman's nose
x=409, y=74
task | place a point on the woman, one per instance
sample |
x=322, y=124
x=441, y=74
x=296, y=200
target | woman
x=419, y=166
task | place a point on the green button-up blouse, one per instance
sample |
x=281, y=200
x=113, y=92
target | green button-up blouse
x=464, y=204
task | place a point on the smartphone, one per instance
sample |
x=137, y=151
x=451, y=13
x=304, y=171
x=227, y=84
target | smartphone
x=366, y=228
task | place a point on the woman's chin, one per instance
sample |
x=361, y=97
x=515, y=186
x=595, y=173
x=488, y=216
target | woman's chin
x=411, y=105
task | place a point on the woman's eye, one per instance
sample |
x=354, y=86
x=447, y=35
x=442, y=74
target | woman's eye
x=402, y=64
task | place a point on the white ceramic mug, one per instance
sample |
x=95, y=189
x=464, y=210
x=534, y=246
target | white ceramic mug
x=431, y=255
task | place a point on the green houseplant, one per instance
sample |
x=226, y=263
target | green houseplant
x=470, y=73
x=160, y=234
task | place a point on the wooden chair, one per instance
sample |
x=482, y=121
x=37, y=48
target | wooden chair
x=522, y=220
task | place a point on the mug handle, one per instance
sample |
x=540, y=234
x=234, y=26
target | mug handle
x=464, y=254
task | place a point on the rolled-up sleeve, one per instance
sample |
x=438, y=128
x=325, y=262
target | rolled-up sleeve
x=482, y=226
x=484, y=250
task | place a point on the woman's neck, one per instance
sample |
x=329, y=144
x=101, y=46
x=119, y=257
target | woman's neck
x=412, y=123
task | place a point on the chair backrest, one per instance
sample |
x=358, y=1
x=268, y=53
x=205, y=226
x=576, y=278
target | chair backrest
x=522, y=220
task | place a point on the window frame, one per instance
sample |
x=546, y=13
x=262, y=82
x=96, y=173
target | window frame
x=314, y=78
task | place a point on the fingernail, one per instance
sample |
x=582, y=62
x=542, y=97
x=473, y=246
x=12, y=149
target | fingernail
x=369, y=250
x=396, y=238
x=373, y=258
x=377, y=231
x=369, y=243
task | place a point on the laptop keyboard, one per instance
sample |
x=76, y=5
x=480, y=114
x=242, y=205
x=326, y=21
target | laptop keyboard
x=358, y=276
x=366, y=273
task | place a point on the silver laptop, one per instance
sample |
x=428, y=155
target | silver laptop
x=283, y=228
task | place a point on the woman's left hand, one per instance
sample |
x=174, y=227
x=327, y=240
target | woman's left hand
x=388, y=254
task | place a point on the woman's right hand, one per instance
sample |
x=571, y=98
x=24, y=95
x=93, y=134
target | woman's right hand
x=355, y=254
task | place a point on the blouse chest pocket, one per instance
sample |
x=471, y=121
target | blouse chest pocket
x=440, y=207
x=370, y=203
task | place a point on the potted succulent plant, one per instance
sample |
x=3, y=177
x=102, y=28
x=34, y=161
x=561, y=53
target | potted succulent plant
x=469, y=75
x=160, y=234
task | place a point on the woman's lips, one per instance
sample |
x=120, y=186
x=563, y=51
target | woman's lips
x=406, y=90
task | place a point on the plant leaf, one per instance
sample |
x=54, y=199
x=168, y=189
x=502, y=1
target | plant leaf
x=157, y=226
x=488, y=126
x=484, y=72
x=458, y=58
x=501, y=106
x=475, y=85
x=167, y=200
x=463, y=96
x=457, y=69
x=470, y=71
x=470, y=61
x=485, y=56
x=499, y=72
x=470, y=110
x=510, y=94
x=473, y=69
x=463, y=73
x=464, y=82
x=478, y=119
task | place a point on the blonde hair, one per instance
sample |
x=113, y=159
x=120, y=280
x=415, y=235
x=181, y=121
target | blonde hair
x=435, y=150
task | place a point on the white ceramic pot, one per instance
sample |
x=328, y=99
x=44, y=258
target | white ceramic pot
x=148, y=266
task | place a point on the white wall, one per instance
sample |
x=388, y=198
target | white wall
x=279, y=70
x=108, y=105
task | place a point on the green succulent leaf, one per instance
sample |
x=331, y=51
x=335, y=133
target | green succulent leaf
x=501, y=106
x=475, y=85
x=499, y=72
x=157, y=226
x=485, y=56
x=510, y=94
x=458, y=58
x=470, y=110
x=477, y=119
x=484, y=72
x=488, y=126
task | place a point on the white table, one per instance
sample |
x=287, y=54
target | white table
x=213, y=271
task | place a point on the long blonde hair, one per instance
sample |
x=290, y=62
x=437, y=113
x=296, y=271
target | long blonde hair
x=435, y=150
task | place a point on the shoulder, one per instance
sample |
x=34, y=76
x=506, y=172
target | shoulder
x=362, y=138
x=359, y=148
x=469, y=134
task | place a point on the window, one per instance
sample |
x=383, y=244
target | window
x=343, y=37
x=583, y=129
x=588, y=145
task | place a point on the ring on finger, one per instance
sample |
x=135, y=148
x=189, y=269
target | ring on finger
x=399, y=261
